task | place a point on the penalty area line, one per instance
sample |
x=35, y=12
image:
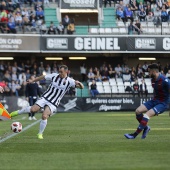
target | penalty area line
x=24, y=129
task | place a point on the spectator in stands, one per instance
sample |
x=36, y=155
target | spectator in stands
x=139, y=71
x=40, y=14
x=121, y=5
x=18, y=19
x=142, y=15
x=41, y=68
x=43, y=28
x=126, y=76
x=134, y=7
x=164, y=15
x=168, y=74
x=27, y=74
x=14, y=87
x=83, y=72
x=125, y=68
x=105, y=74
x=148, y=9
x=150, y=17
x=138, y=27
x=159, y=66
x=38, y=5
x=14, y=76
x=130, y=28
x=111, y=73
x=98, y=77
x=70, y=27
x=128, y=14
x=46, y=2
x=90, y=75
x=7, y=76
x=118, y=71
x=136, y=88
x=4, y=16
x=157, y=17
x=106, y=1
x=11, y=27
x=60, y=28
x=66, y=21
x=32, y=12
x=166, y=68
x=93, y=89
x=120, y=14
x=22, y=78
x=133, y=75
x=52, y=28
x=143, y=88
x=145, y=67
x=35, y=68
x=141, y=6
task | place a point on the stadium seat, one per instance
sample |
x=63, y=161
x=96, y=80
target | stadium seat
x=100, y=89
x=106, y=83
x=151, y=30
x=127, y=84
x=121, y=89
x=120, y=83
x=119, y=80
x=120, y=24
x=158, y=30
x=166, y=31
x=94, y=30
x=165, y=24
x=101, y=30
x=113, y=83
x=107, y=89
x=144, y=24
x=147, y=80
x=122, y=30
x=115, y=30
x=112, y=80
x=89, y=84
x=114, y=89
x=150, y=24
x=99, y=84
x=150, y=89
x=108, y=30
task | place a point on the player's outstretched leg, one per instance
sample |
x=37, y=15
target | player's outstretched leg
x=17, y=112
x=141, y=127
x=43, y=122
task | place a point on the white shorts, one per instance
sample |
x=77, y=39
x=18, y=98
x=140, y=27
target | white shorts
x=42, y=103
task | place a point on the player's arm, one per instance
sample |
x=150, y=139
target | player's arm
x=42, y=77
x=79, y=85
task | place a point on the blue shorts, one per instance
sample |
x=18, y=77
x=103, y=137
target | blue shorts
x=157, y=106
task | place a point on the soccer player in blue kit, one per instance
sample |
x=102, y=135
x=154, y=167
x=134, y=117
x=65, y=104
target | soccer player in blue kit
x=156, y=106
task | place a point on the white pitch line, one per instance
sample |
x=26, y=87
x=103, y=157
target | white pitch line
x=24, y=129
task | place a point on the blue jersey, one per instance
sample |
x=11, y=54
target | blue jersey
x=161, y=88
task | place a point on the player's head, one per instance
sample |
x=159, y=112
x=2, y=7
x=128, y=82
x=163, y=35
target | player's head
x=153, y=70
x=63, y=69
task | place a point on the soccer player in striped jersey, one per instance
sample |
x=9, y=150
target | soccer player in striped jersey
x=154, y=107
x=50, y=99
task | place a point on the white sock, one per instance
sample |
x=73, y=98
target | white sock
x=43, y=125
x=25, y=110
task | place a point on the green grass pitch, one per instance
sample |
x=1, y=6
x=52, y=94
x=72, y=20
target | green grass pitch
x=87, y=141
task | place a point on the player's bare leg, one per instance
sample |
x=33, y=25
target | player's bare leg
x=33, y=109
x=43, y=123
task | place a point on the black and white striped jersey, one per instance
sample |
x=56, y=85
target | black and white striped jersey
x=57, y=88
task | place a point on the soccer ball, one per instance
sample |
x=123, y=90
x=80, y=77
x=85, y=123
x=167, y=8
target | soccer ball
x=16, y=127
